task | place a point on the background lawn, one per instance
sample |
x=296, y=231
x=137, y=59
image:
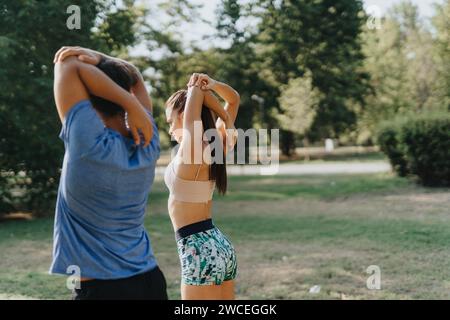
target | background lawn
x=291, y=233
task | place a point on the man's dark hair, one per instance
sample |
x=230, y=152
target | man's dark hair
x=120, y=74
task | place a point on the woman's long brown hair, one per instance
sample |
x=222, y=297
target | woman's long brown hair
x=217, y=171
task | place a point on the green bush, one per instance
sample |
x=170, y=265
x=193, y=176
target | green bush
x=389, y=142
x=419, y=145
x=5, y=195
x=427, y=142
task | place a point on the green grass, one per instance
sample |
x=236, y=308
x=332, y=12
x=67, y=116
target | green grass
x=35, y=230
x=290, y=233
x=313, y=187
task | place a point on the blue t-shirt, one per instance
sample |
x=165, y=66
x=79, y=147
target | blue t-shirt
x=102, y=196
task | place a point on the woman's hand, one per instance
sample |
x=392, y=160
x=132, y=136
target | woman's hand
x=83, y=54
x=138, y=120
x=229, y=133
x=193, y=80
x=203, y=81
x=228, y=121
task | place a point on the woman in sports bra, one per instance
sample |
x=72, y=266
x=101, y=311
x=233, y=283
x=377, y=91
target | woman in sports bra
x=207, y=257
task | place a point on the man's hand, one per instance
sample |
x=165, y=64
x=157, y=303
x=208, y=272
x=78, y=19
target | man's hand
x=83, y=54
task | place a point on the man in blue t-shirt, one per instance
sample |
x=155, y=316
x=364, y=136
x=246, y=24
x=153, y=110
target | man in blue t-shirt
x=111, y=147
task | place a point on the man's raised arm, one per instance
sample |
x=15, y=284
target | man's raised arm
x=74, y=80
x=94, y=57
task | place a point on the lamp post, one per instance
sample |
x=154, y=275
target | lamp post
x=260, y=101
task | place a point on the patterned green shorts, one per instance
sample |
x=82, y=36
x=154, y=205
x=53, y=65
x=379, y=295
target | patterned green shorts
x=207, y=257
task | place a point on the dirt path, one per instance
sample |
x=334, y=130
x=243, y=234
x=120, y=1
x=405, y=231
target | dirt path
x=305, y=169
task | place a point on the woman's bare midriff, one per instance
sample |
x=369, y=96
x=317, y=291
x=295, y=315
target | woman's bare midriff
x=185, y=213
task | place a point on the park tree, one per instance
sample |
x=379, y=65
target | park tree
x=241, y=66
x=441, y=22
x=403, y=72
x=299, y=101
x=416, y=48
x=323, y=37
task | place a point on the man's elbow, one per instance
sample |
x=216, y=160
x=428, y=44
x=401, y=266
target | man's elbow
x=68, y=63
x=66, y=68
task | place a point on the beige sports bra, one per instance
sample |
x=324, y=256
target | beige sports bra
x=188, y=190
